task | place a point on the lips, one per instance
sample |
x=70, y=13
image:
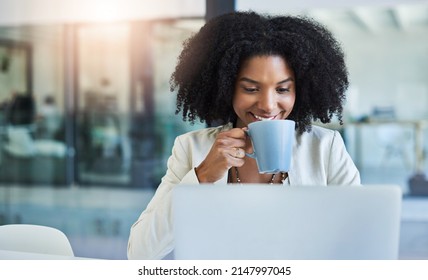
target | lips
x=264, y=118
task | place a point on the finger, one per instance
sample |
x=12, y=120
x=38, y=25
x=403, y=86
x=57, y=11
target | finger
x=238, y=162
x=237, y=152
x=229, y=143
x=237, y=133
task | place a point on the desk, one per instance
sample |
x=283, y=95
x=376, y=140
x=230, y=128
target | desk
x=16, y=255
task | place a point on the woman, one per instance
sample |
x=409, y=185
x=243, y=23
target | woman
x=241, y=68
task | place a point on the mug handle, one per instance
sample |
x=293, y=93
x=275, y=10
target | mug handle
x=253, y=154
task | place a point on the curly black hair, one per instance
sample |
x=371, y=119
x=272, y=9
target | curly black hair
x=208, y=66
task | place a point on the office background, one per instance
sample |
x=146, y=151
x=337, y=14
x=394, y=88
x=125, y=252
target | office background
x=87, y=120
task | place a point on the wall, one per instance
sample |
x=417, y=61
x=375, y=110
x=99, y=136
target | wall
x=273, y=6
x=389, y=69
x=53, y=11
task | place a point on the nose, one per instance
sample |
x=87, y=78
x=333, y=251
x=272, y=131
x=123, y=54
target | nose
x=267, y=101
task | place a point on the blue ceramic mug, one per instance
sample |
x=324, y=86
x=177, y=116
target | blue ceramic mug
x=272, y=144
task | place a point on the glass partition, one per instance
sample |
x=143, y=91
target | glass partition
x=115, y=99
x=32, y=142
x=100, y=106
x=103, y=148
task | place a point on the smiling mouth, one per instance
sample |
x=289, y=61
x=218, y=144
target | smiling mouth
x=264, y=118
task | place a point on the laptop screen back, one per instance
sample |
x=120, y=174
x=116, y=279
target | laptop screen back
x=277, y=222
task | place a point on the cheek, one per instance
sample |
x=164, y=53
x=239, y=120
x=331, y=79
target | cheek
x=235, y=102
x=292, y=101
x=288, y=102
x=240, y=102
x=236, y=105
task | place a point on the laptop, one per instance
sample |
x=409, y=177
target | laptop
x=252, y=221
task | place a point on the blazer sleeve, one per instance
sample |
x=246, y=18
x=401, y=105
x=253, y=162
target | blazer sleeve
x=341, y=168
x=151, y=236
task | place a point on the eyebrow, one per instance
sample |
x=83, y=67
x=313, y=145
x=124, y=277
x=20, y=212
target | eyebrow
x=244, y=79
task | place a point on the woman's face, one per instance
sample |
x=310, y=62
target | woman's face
x=265, y=90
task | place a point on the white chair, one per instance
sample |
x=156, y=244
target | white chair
x=34, y=239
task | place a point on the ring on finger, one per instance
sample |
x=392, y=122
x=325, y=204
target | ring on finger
x=237, y=152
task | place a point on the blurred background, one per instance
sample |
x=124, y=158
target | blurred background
x=87, y=120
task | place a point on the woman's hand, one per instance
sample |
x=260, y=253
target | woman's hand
x=228, y=150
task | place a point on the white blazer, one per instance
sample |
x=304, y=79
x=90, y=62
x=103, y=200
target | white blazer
x=319, y=158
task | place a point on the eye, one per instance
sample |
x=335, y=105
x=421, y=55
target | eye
x=282, y=90
x=250, y=89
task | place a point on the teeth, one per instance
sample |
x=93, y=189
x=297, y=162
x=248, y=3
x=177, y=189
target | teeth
x=263, y=119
